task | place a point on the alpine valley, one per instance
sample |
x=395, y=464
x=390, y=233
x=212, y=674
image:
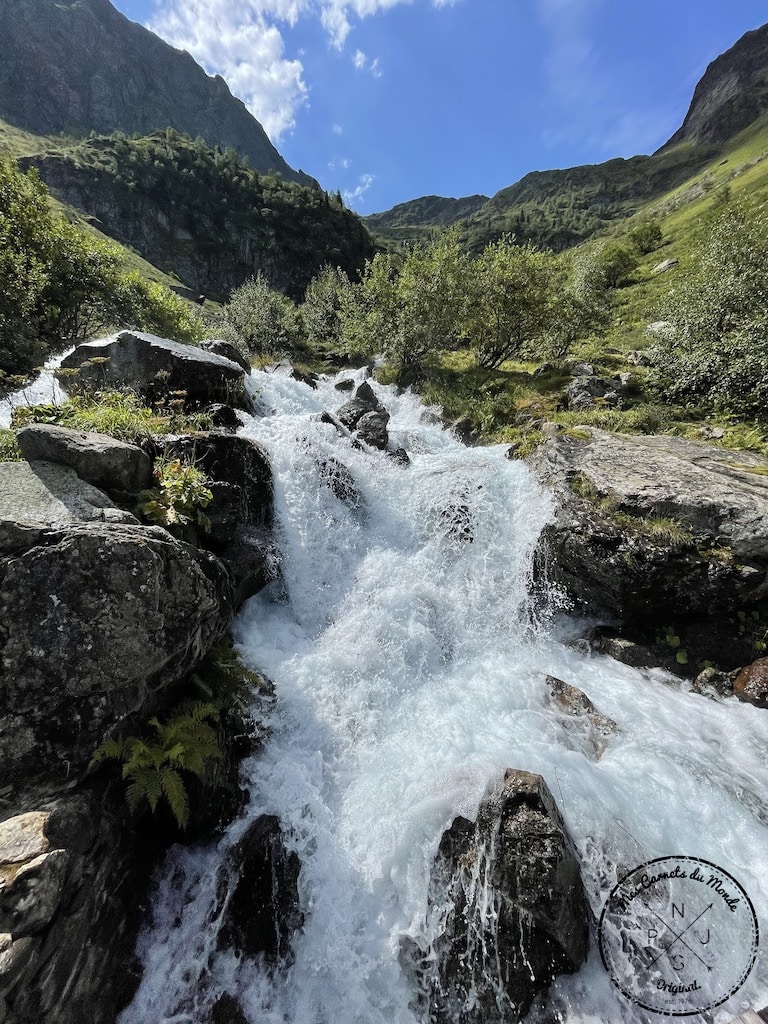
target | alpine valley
x=384, y=601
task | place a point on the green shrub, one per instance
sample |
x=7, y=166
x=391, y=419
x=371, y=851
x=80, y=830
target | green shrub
x=177, y=501
x=717, y=349
x=9, y=449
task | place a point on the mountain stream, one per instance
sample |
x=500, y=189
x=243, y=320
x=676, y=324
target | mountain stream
x=409, y=666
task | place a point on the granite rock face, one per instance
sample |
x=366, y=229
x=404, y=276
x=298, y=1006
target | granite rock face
x=732, y=93
x=69, y=910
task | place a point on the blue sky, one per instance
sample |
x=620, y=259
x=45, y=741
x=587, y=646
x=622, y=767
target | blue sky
x=388, y=100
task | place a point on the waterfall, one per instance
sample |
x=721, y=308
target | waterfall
x=409, y=669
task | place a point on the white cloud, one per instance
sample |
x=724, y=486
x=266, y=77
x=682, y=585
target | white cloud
x=355, y=195
x=238, y=42
x=337, y=129
x=242, y=41
x=362, y=63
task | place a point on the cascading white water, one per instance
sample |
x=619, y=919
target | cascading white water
x=409, y=672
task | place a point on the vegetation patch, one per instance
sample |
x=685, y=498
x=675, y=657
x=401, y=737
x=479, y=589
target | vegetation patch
x=120, y=414
x=158, y=765
x=178, y=499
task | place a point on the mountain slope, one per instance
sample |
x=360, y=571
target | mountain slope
x=561, y=208
x=732, y=93
x=198, y=213
x=80, y=65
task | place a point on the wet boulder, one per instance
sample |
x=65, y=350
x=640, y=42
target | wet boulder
x=367, y=416
x=588, y=727
x=508, y=906
x=264, y=911
x=242, y=507
x=372, y=428
x=751, y=684
x=340, y=480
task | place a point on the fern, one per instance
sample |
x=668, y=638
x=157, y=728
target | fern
x=154, y=768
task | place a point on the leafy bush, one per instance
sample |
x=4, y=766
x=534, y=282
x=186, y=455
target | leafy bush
x=718, y=347
x=260, y=320
x=9, y=449
x=177, y=501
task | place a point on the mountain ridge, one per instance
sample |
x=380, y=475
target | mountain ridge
x=124, y=79
x=560, y=208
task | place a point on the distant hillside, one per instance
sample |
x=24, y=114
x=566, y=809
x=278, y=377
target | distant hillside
x=561, y=208
x=77, y=66
x=552, y=209
x=198, y=213
x=732, y=93
x=429, y=210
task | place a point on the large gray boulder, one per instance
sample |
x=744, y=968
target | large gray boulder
x=97, y=458
x=98, y=619
x=241, y=510
x=512, y=914
x=654, y=530
x=155, y=368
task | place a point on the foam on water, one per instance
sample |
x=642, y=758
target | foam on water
x=409, y=671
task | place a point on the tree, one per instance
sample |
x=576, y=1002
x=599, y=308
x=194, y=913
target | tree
x=579, y=306
x=717, y=346
x=261, y=320
x=321, y=311
x=646, y=236
x=411, y=308
x=614, y=262
x=511, y=306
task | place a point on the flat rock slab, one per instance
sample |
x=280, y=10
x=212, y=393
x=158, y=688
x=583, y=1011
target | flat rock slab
x=721, y=494
x=43, y=494
x=654, y=530
x=96, y=458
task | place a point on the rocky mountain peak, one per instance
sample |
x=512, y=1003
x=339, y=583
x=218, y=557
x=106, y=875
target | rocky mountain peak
x=732, y=93
x=77, y=66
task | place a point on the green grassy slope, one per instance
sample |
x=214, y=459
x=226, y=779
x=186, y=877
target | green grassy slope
x=17, y=143
x=552, y=209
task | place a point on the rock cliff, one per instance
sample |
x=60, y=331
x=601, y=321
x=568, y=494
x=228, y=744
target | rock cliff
x=731, y=94
x=77, y=66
